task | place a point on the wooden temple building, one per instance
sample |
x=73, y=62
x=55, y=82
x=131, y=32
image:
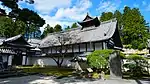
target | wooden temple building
x=90, y=36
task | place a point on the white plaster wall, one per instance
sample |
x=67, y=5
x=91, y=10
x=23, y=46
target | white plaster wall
x=69, y=49
x=98, y=46
x=49, y=50
x=10, y=59
x=46, y=61
x=4, y=57
x=89, y=47
x=76, y=48
x=82, y=47
x=53, y=50
x=28, y=62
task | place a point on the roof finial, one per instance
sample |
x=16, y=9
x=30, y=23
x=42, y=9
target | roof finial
x=88, y=13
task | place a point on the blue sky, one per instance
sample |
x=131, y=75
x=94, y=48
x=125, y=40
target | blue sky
x=66, y=12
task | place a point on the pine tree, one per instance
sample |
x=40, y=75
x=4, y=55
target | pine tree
x=57, y=28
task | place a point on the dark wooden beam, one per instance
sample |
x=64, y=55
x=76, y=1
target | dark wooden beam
x=72, y=48
x=102, y=45
x=86, y=47
x=79, y=47
x=94, y=46
x=7, y=58
x=56, y=49
x=51, y=50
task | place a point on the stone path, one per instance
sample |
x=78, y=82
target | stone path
x=35, y=79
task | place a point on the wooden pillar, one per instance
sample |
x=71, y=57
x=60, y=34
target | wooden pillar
x=94, y=46
x=102, y=46
x=79, y=47
x=72, y=48
x=86, y=47
x=7, y=58
x=56, y=49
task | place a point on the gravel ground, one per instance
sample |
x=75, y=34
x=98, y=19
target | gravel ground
x=36, y=79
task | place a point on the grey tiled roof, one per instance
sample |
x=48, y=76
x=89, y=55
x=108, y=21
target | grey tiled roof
x=13, y=38
x=89, y=34
x=34, y=42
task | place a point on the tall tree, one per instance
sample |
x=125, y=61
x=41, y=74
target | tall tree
x=106, y=16
x=9, y=28
x=134, y=28
x=47, y=29
x=12, y=4
x=74, y=25
x=57, y=28
x=30, y=18
x=67, y=28
x=118, y=16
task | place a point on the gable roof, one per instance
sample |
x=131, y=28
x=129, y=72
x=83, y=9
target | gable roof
x=34, y=42
x=17, y=40
x=103, y=32
x=87, y=18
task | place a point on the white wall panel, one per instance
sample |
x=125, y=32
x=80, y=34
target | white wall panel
x=98, y=46
x=82, y=47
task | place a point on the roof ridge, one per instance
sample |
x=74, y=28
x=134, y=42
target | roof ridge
x=64, y=31
x=108, y=21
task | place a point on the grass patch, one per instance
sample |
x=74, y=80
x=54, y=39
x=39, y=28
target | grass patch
x=107, y=76
x=48, y=70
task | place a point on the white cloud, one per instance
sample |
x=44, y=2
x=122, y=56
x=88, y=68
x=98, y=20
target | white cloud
x=143, y=3
x=65, y=16
x=66, y=11
x=108, y=6
x=77, y=12
x=46, y=6
x=7, y=10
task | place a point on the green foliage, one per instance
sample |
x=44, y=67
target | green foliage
x=132, y=27
x=118, y=16
x=135, y=57
x=134, y=30
x=68, y=27
x=99, y=59
x=57, y=28
x=47, y=30
x=7, y=25
x=95, y=75
x=33, y=17
x=136, y=65
x=51, y=70
x=74, y=25
x=106, y=16
x=12, y=4
x=36, y=66
x=122, y=55
x=128, y=46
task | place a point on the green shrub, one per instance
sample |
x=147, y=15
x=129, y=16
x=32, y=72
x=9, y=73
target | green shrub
x=136, y=65
x=36, y=66
x=95, y=75
x=99, y=59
